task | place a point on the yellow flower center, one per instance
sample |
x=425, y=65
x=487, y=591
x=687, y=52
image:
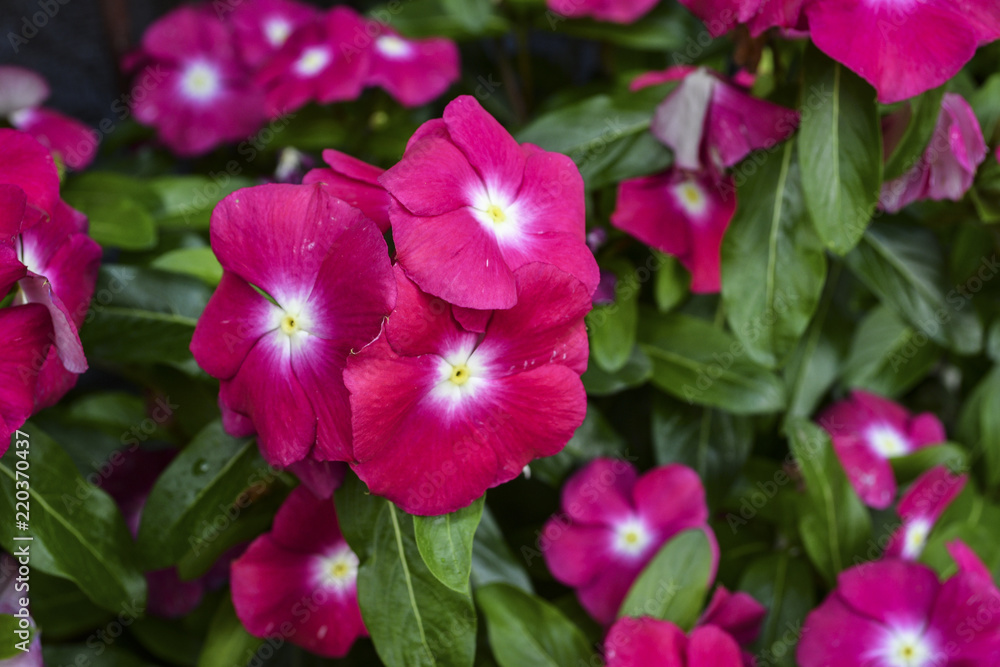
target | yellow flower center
x=691, y=194
x=460, y=374
x=496, y=214
x=289, y=325
x=339, y=569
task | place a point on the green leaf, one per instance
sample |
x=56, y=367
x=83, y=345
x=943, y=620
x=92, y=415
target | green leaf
x=94, y=654
x=908, y=468
x=228, y=642
x=636, y=371
x=664, y=29
x=979, y=423
x=492, y=560
x=78, y=532
x=840, y=149
x=445, y=544
x=187, y=201
x=834, y=524
x=198, y=262
x=923, y=112
x=612, y=326
x=9, y=641
x=674, y=584
x=357, y=512
x=903, y=266
x=59, y=606
x=672, y=282
x=119, y=208
x=474, y=15
x=703, y=365
x=784, y=585
x=714, y=443
x=526, y=631
x=773, y=264
x=600, y=131
x=413, y=618
x=985, y=192
x=199, y=496
x=887, y=356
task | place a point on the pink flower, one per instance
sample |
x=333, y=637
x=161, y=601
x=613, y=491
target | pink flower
x=684, y=214
x=448, y=403
x=262, y=27
x=26, y=335
x=896, y=612
x=948, y=166
x=470, y=206
x=920, y=507
x=355, y=182
x=614, y=11
x=902, y=48
x=868, y=430
x=314, y=66
x=299, y=581
x=201, y=95
x=326, y=268
x=21, y=95
x=737, y=613
x=710, y=123
x=721, y=16
x=413, y=71
x=614, y=523
x=644, y=642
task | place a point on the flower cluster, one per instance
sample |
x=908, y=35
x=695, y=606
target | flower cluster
x=51, y=264
x=21, y=95
x=437, y=377
x=902, y=49
x=223, y=70
x=710, y=124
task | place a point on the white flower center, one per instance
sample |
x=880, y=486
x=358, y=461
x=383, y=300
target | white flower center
x=338, y=569
x=887, y=442
x=915, y=537
x=201, y=82
x=496, y=213
x=632, y=537
x=277, y=31
x=906, y=648
x=312, y=61
x=459, y=375
x=393, y=47
x=691, y=197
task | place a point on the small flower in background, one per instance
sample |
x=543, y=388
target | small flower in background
x=261, y=27
x=896, y=613
x=920, y=507
x=326, y=268
x=412, y=71
x=314, y=66
x=21, y=95
x=731, y=622
x=465, y=181
x=355, y=182
x=446, y=393
x=710, y=123
x=614, y=11
x=868, y=430
x=902, y=51
x=617, y=521
x=303, y=564
x=721, y=16
x=205, y=95
x=948, y=166
x=684, y=214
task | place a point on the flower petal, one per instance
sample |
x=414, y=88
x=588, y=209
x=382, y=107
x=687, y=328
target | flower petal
x=488, y=146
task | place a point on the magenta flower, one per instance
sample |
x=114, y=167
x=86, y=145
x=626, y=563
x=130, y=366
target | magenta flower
x=326, y=269
x=470, y=206
x=443, y=412
x=721, y=16
x=614, y=523
x=920, y=507
x=902, y=49
x=203, y=95
x=684, y=214
x=868, y=430
x=893, y=613
x=21, y=95
x=737, y=613
x=25, y=334
x=262, y=27
x=643, y=642
x=313, y=65
x=614, y=11
x=413, y=71
x=355, y=182
x=299, y=581
x=710, y=123
x=947, y=167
